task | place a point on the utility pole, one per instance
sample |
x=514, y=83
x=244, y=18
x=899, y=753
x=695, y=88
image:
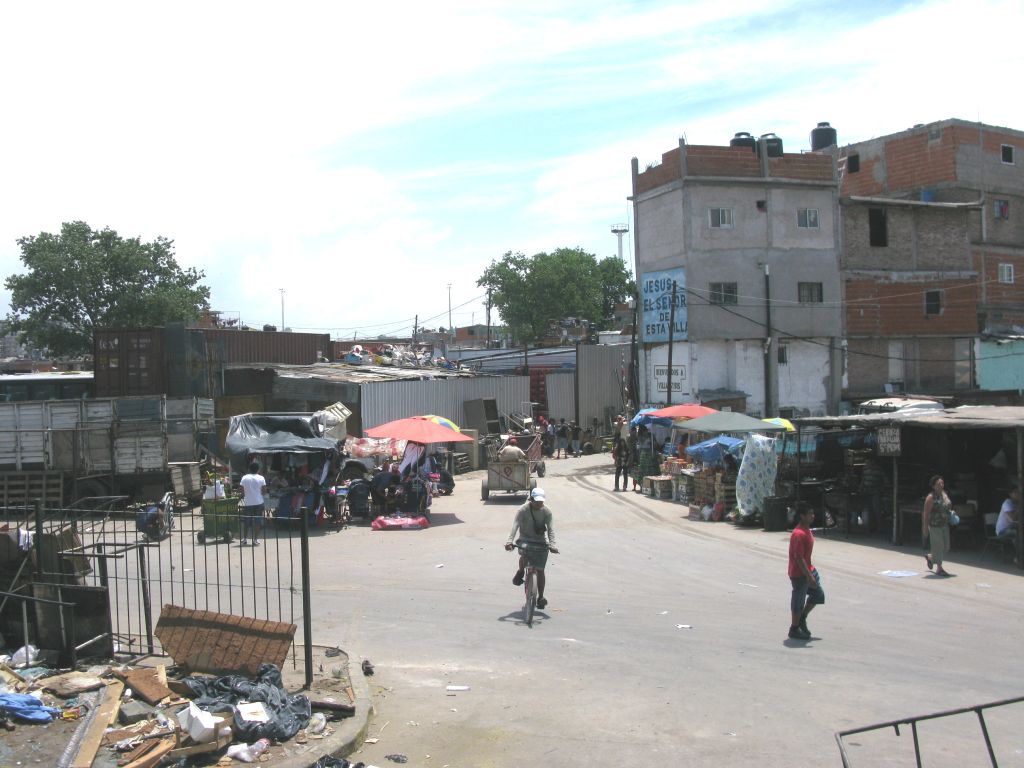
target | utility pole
x=767, y=342
x=488, y=318
x=282, y=308
x=671, y=328
x=451, y=336
x=415, y=328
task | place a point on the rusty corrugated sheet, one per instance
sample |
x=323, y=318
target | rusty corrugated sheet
x=269, y=346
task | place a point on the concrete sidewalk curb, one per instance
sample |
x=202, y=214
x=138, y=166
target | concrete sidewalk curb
x=348, y=734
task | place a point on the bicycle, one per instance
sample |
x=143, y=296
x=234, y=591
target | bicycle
x=530, y=576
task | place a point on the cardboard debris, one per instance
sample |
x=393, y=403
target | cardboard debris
x=70, y=684
x=220, y=643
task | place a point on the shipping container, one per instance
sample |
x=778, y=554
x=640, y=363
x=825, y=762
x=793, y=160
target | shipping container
x=129, y=362
x=268, y=346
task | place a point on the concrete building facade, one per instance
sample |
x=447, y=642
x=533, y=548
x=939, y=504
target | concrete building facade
x=933, y=248
x=749, y=237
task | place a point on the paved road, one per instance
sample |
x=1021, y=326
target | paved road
x=607, y=677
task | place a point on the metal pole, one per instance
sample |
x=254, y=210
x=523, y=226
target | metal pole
x=307, y=618
x=671, y=340
x=451, y=336
x=282, y=308
x=38, y=504
x=895, y=503
x=576, y=385
x=147, y=605
x=767, y=342
x=1020, y=481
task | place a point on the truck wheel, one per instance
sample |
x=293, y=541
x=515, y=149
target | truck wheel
x=541, y=469
x=485, y=491
x=201, y=537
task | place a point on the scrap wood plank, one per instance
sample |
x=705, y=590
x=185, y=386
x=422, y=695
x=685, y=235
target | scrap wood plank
x=106, y=712
x=155, y=755
x=220, y=643
x=145, y=681
x=197, y=749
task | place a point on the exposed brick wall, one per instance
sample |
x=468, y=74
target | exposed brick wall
x=809, y=167
x=867, y=366
x=912, y=162
x=703, y=160
x=659, y=175
x=919, y=238
x=1004, y=302
x=870, y=179
x=884, y=307
x=936, y=367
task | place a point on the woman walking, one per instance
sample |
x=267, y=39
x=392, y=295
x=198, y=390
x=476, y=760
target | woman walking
x=935, y=524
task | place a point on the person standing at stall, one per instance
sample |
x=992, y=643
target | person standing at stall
x=254, y=492
x=935, y=524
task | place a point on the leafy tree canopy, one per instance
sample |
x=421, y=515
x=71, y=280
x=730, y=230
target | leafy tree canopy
x=83, y=279
x=533, y=292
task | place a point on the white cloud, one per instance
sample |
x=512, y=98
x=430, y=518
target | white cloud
x=315, y=148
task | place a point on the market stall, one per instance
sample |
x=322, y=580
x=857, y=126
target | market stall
x=979, y=450
x=300, y=464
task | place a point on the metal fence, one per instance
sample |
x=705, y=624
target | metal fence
x=58, y=564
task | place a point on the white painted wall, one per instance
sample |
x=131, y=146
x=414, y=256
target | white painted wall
x=682, y=385
x=803, y=381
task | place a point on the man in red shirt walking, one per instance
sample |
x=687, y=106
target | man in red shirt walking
x=807, y=591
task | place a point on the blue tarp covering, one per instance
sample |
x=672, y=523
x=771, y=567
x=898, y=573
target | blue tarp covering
x=711, y=451
x=642, y=419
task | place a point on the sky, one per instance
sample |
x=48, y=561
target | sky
x=364, y=157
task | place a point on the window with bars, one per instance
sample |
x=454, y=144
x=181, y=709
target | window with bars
x=1006, y=153
x=933, y=303
x=720, y=218
x=810, y=293
x=807, y=218
x=723, y=293
x=1006, y=273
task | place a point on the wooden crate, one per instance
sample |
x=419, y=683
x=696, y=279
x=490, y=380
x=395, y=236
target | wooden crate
x=663, y=487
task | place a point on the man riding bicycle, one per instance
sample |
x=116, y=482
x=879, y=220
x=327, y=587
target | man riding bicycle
x=533, y=522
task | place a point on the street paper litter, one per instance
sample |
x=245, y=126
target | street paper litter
x=457, y=688
x=898, y=574
x=684, y=626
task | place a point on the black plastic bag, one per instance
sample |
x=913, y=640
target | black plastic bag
x=329, y=761
x=288, y=714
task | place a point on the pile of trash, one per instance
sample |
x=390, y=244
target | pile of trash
x=153, y=715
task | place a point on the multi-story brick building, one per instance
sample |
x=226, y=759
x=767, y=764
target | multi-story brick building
x=748, y=235
x=932, y=253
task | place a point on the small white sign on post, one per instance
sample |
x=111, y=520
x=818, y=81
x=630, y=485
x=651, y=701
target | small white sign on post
x=888, y=441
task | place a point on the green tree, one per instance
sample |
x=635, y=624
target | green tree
x=83, y=279
x=532, y=292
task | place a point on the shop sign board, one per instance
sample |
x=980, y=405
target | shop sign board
x=680, y=386
x=888, y=441
x=656, y=298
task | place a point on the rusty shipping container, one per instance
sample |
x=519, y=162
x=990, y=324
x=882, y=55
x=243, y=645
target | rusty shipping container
x=269, y=346
x=128, y=362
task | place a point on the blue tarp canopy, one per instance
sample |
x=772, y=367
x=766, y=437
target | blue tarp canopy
x=711, y=451
x=642, y=419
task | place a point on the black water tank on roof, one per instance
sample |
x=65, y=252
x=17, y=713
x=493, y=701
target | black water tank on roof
x=744, y=139
x=772, y=144
x=823, y=137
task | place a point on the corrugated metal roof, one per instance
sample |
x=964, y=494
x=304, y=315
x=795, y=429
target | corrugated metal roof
x=360, y=374
x=964, y=417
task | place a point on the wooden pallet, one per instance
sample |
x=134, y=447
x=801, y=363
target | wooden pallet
x=18, y=489
x=461, y=463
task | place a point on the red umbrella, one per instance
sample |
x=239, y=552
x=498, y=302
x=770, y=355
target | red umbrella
x=682, y=411
x=418, y=430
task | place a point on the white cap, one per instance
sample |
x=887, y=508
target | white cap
x=537, y=494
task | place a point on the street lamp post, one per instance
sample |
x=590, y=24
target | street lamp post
x=282, y=309
x=451, y=336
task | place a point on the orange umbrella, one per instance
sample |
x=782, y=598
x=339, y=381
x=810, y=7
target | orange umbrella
x=418, y=430
x=682, y=411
